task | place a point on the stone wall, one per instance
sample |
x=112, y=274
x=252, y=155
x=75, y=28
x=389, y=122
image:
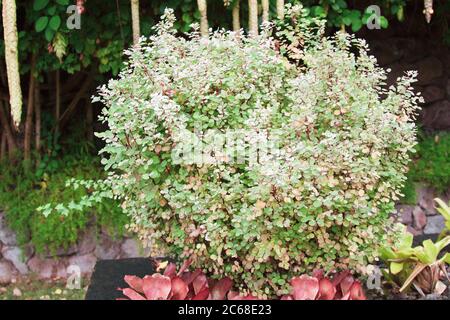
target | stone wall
x=17, y=261
x=423, y=218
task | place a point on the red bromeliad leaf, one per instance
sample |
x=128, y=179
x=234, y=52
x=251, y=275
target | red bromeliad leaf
x=179, y=289
x=232, y=294
x=220, y=289
x=202, y=295
x=357, y=292
x=339, y=277
x=346, y=284
x=133, y=295
x=318, y=273
x=157, y=287
x=171, y=270
x=135, y=283
x=326, y=289
x=200, y=283
x=189, y=277
x=304, y=287
x=287, y=297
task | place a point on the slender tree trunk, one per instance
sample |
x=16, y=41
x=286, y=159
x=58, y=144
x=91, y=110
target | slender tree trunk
x=280, y=9
x=37, y=115
x=58, y=99
x=236, y=17
x=202, y=8
x=265, y=10
x=253, y=17
x=30, y=106
x=12, y=59
x=135, y=21
x=3, y=146
x=7, y=131
x=89, y=121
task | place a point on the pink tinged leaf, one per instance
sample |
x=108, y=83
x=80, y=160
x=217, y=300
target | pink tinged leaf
x=326, y=289
x=133, y=295
x=232, y=294
x=346, y=284
x=339, y=277
x=287, y=297
x=157, y=287
x=357, y=292
x=220, y=289
x=304, y=287
x=135, y=283
x=200, y=283
x=318, y=273
x=249, y=297
x=189, y=277
x=179, y=289
x=202, y=295
x=184, y=266
x=171, y=270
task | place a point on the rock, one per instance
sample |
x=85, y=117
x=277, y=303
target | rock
x=436, y=116
x=433, y=93
x=7, y=272
x=429, y=69
x=17, y=292
x=7, y=236
x=86, y=262
x=130, y=249
x=48, y=268
x=434, y=225
x=106, y=248
x=425, y=199
x=420, y=219
x=86, y=244
x=413, y=231
x=405, y=213
x=15, y=256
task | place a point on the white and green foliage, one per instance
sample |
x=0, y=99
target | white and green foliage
x=322, y=201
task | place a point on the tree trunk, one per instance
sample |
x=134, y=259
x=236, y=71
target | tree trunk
x=253, y=17
x=236, y=17
x=280, y=9
x=3, y=146
x=89, y=121
x=37, y=115
x=202, y=8
x=7, y=131
x=135, y=21
x=57, y=99
x=265, y=10
x=12, y=59
x=30, y=106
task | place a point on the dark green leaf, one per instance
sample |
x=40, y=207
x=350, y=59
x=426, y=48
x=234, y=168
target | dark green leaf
x=41, y=23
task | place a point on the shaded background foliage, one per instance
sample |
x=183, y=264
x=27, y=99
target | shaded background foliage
x=68, y=65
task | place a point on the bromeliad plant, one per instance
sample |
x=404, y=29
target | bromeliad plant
x=321, y=198
x=421, y=267
x=186, y=285
x=444, y=210
x=343, y=286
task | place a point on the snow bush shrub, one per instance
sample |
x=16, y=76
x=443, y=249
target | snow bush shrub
x=299, y=164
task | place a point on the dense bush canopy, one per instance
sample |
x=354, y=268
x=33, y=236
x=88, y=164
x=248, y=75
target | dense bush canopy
x=221, y=149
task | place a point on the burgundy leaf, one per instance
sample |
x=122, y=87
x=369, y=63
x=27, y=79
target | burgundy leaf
x=220, y=289
x=171, y=270
x=357, y=292
x=287, y=297
x=346, y=284
x=200, y=283
x=339, y=277
x=157, y=287
x=318, y=273
x=133, y=295
x=304, y=287
x=189, y=277
x=135, y=283
x=184, y=266
x=326, y=289
x=179, y=289
x=202, y=295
